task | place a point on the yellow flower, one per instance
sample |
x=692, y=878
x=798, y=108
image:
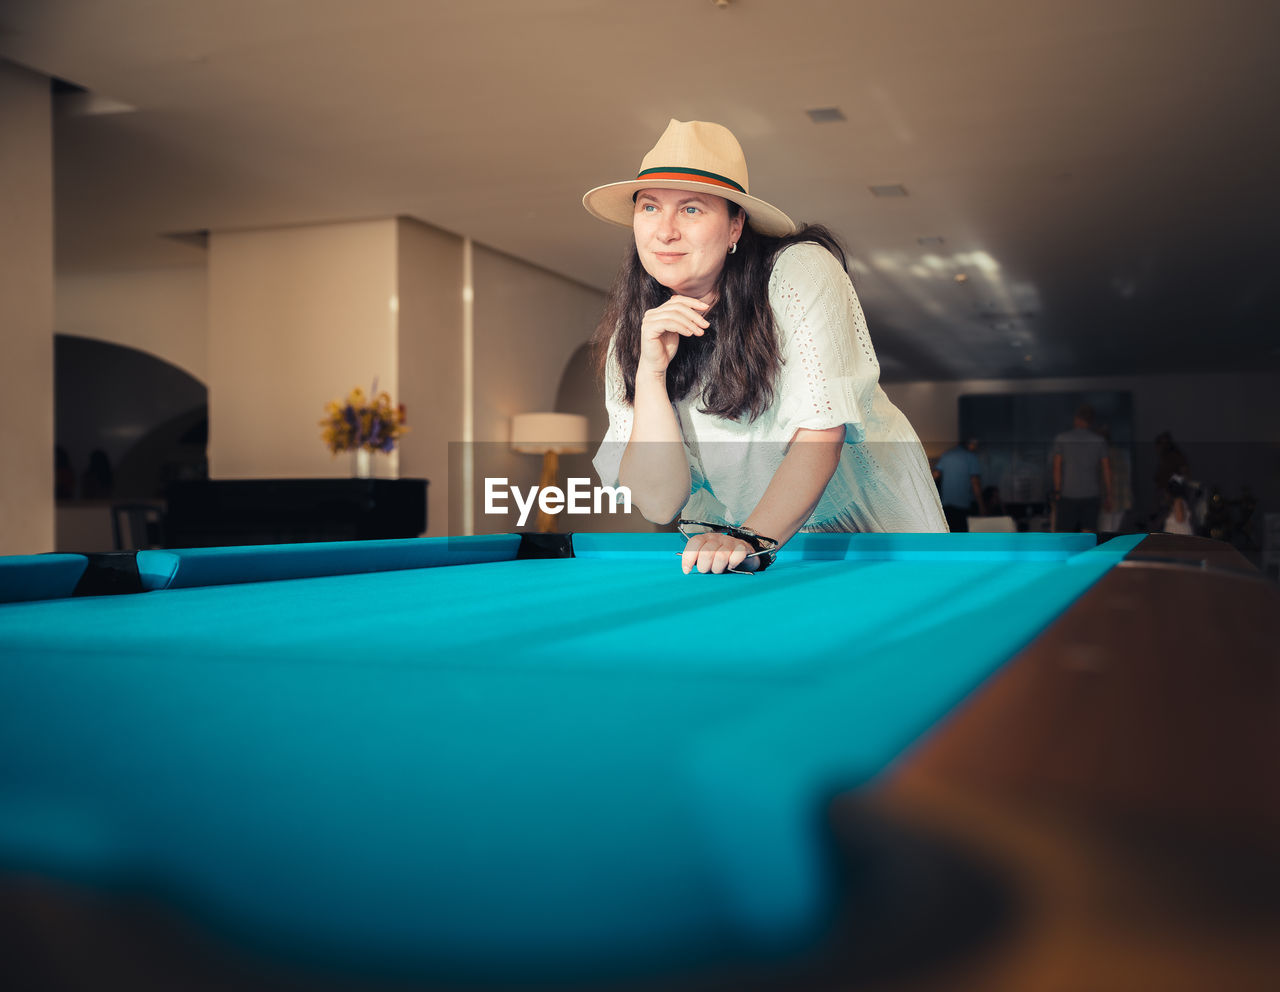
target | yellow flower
x=359, y=422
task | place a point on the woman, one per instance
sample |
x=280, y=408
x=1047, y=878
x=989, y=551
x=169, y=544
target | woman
x=741, y=384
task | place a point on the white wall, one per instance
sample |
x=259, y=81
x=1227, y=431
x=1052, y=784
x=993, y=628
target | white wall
x=297, y=317
x=164, y=312
x=26, y=313
x=528, y=324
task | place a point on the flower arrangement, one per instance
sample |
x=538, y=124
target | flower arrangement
x=357, y=422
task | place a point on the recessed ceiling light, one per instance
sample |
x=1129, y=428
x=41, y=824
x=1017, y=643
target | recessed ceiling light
x=960, y=278
x=892, y=189
x=825, y=115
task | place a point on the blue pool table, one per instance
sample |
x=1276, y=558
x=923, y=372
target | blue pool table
x=499, y=758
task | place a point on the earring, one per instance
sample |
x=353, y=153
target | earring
x=733, y=247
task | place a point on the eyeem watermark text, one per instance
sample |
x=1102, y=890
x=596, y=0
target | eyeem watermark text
x=580, y=498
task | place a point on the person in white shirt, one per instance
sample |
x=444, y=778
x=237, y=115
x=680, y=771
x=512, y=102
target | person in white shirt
x=741, y=384
x=1179, y=519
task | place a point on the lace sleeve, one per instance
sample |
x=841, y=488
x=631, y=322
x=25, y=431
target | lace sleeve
x=621, y=417
x=829, y=372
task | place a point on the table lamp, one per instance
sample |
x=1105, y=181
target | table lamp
x=549, y=435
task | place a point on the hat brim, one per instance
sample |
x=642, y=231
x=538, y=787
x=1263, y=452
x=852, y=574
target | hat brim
x=614, y=203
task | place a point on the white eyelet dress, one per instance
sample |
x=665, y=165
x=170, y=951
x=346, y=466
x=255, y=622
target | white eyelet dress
x=829, y=377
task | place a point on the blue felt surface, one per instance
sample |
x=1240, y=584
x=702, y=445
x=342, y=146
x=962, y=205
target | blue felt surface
x=494, y=770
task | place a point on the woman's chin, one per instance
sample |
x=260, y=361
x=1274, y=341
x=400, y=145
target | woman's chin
x=677, y=285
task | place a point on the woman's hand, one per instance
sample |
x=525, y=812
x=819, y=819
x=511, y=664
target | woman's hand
x=664, y=326
x=717, y=553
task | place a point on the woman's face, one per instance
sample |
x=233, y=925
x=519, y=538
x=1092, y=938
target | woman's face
x=683, y=238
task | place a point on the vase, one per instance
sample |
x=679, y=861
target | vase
x=361, y=463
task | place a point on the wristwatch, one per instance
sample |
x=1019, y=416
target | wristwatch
x=765, y=549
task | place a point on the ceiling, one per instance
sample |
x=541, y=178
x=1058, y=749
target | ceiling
x=1101, y=173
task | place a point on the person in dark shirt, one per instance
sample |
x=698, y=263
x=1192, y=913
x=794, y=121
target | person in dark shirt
x=960, y=475
x=1170, y=461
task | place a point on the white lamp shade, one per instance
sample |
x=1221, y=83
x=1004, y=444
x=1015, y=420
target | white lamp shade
x=538, y=433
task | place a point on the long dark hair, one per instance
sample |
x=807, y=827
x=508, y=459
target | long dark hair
x=736, y=362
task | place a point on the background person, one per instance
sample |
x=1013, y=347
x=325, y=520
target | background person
x=740, y=380
x=960, y=472
x=1179, y=519
x=1170, y=462
x=1081, y=475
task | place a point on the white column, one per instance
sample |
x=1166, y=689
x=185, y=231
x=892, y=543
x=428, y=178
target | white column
x=435, y=378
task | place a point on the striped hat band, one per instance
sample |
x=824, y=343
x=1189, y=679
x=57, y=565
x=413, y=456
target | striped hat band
x=691, y=175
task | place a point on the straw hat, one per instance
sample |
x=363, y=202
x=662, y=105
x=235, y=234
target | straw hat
x=692, y=155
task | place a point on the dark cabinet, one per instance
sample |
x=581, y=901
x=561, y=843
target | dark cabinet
x=224, y=512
